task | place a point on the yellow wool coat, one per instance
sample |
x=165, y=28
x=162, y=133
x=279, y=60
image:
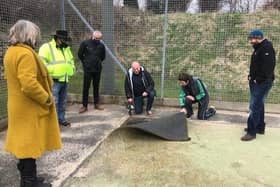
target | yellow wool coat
x=32, y=122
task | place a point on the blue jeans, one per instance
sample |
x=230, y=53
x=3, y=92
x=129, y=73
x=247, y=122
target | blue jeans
x=139, y=101
x=258, y=95
x=60, y=94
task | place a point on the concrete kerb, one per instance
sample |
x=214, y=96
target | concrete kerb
x=81, y=161
x=167, y=102
x=173, y=102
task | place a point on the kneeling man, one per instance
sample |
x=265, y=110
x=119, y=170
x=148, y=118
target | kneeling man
x=139, y=85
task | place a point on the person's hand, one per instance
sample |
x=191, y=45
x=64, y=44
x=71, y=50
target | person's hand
x=129, y=100
x=144, y=94
x=190, y=97
x=50, y=101
x=183, y=110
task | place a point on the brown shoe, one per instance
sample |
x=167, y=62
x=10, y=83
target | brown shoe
x=248, y=137
x=82, y=109
x=98, y=107
x=258, y=131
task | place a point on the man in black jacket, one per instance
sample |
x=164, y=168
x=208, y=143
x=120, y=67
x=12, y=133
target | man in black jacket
x=260, y=78
x=91, y=54
x=138, y=85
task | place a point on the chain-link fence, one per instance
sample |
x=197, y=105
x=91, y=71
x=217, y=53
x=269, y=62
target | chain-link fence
x=3, y=86
x=202, y=37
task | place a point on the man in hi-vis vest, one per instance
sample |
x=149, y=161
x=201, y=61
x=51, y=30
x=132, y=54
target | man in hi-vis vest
x=58, y=58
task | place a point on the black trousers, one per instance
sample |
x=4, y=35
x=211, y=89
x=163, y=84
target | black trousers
x=89, y=77
x=203, y=112
x=139, y=101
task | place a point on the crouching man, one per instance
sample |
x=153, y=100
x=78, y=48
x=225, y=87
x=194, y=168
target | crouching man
x=139, y=85
x=194, y=91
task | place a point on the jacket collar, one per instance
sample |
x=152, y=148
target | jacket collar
x=260, y=44
x=25, y=46
x=131, y=72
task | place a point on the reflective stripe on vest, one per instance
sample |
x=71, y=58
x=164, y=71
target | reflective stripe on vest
x=54, y=62
x=52, y=53
x=53, y=57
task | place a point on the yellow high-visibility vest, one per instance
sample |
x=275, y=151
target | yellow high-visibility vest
x=59, y=61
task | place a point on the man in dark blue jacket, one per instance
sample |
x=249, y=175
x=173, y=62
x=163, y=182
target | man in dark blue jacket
x=139, y=85
x=193, y=91
x=260, y=78
x=91, y=54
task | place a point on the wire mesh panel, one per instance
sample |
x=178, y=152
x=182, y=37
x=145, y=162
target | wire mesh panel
x=210, y=41
x=91, y=12
x=205, y=38
x=43, y=13
x=3, y=86
x=140, y=37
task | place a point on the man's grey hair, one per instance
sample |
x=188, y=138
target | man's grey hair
x=24, y=31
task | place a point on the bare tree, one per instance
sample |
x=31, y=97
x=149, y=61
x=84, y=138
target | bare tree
x=232, y=5
x=118, y=3
x=255, y=3
x=155, y=5
x=131, y=3
x=241, y=5
x=158, y=6
x=209, y=5
x=244, y=5
x=272, y=4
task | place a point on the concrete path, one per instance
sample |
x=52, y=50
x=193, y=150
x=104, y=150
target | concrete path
x=88, y=130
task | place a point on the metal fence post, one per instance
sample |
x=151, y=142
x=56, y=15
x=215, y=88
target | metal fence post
x=62, y=15
x=165, y=27
x=108, y=37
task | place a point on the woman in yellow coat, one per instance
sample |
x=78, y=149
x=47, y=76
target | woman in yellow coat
x=32, y=121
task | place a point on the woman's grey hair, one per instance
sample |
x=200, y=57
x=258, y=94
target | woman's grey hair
x=24, y=31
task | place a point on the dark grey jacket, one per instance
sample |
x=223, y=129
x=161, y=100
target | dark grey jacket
x=91, y=54
x=148, y=82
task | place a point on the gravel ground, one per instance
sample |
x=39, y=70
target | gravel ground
x=87, y=131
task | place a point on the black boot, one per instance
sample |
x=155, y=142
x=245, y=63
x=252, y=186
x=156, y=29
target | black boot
x=20, y=168
x=28, y=173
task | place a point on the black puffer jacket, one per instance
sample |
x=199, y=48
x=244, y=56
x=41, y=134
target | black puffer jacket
x=91, y=54
x=262, y=62
x=148, y=82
